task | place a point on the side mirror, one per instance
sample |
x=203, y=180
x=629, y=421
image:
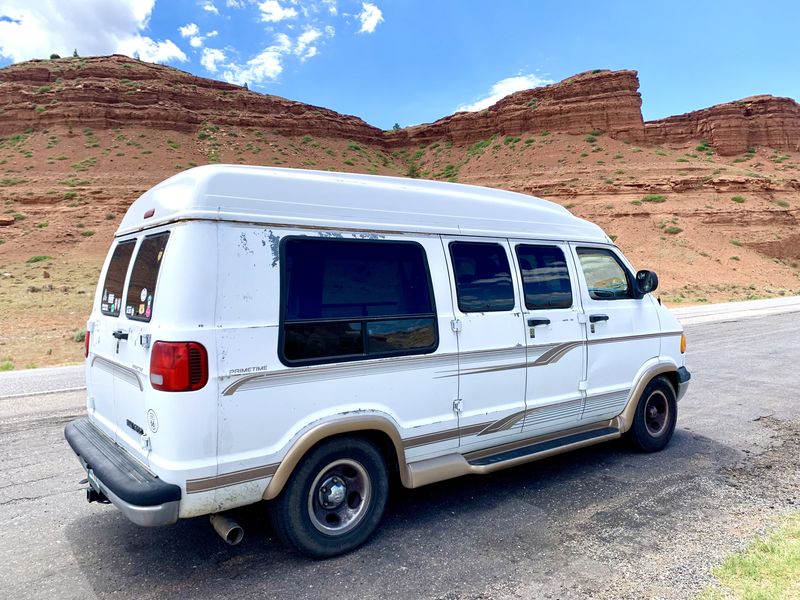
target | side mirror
x=646, y=282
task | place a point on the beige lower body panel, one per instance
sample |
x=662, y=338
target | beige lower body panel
x=454, y=465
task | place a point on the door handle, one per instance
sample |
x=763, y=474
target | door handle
x=120, y=335
x=597, y=318
x=535, y=322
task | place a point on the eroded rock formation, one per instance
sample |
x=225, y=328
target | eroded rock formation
x=734, y=127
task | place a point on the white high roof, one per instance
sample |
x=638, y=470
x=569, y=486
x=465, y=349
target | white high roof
x=297, y=197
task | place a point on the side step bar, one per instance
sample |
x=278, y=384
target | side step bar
x=533, y=449
x=508, y=455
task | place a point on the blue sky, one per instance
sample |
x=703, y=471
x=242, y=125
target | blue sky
x=413, y=61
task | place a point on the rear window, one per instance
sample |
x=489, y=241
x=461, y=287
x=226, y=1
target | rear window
x=545, y=278
x=350, y=300
x=111, y=300
x=483, y=277
x=144, y=275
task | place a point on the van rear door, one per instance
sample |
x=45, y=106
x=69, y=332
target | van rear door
x=100, y=366
x=132, y=344
x=119, y=344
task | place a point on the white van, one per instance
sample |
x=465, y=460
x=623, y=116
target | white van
x=302, y=337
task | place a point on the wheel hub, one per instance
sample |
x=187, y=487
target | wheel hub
x=332, y=492
x=339, y=497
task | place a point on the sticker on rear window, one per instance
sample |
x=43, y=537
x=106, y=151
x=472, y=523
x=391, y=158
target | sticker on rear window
x=141, y=293
x=115, y=278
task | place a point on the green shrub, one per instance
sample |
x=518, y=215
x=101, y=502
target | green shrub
x=672, y=230
x=738, y=199
x=37, y=259
x=478, y=147
x=87, y=233
x=654, y=198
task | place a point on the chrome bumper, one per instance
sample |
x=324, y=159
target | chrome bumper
x=115, y=476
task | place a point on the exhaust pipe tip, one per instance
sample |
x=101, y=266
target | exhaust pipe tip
x=228, y=529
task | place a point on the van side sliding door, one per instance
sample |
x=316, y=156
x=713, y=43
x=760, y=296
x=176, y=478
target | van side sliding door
x=491, y=342
x=555, y=336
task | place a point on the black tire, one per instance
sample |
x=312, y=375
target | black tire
x=655, y=418
x=351, y=484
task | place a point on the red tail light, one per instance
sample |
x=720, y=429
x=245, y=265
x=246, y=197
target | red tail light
x=86, y=344
x=178, y=366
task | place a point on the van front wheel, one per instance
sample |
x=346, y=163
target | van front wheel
x=334, y=499
x=655, y=418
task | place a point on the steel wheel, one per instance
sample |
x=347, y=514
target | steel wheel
x=656, y=413
x=339, y=497
x=655, y=417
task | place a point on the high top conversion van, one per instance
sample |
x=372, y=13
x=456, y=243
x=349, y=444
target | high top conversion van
x=301, y=337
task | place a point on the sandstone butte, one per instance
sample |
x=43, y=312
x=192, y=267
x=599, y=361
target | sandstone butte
x=709, y=199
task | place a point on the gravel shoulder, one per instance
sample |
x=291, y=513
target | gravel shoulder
x=603, y=522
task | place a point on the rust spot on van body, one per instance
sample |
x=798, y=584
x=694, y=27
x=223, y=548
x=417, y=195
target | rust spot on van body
x=274, y=246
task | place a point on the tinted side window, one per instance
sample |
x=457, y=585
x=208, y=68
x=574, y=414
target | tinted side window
x=483, y=277
x=605, y=276
x=545, y=277
x=111, y=300
x=144, y=276
x=346, y=299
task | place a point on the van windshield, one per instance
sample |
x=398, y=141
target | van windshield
x=144, y=276
x=111, y=300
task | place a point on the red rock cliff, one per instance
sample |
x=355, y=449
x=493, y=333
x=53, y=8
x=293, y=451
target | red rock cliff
x=604, y=100
x=116, y=91
x=734, y=127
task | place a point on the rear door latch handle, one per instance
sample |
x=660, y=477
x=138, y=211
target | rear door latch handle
x=535, y=322
x=597, y=318
x=120, y=335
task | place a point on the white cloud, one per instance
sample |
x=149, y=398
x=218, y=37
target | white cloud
x=304, y=47
x=151, y=51
x=369, y=16
x=234, y=3
x=331, y=6
x=209, y=6
x=188, y=30
x=92, y=27
x=210, y=58
x=265, y=66
x=272, y=11
x=503, y=88
x=197, y=40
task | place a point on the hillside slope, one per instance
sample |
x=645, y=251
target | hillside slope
x=711, y=200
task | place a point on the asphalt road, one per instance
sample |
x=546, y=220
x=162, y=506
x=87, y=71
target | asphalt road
x=602, y=522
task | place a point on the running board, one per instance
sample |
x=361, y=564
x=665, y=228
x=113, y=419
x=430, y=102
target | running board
x=493, y=459
x=558, y=443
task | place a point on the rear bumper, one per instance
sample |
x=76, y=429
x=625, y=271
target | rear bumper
x=141, y=496
x=683, y=382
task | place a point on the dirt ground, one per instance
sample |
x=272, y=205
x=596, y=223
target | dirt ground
x=714, y=228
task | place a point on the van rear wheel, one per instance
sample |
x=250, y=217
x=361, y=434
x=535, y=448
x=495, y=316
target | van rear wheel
x=655, y=418
x=334, y=500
